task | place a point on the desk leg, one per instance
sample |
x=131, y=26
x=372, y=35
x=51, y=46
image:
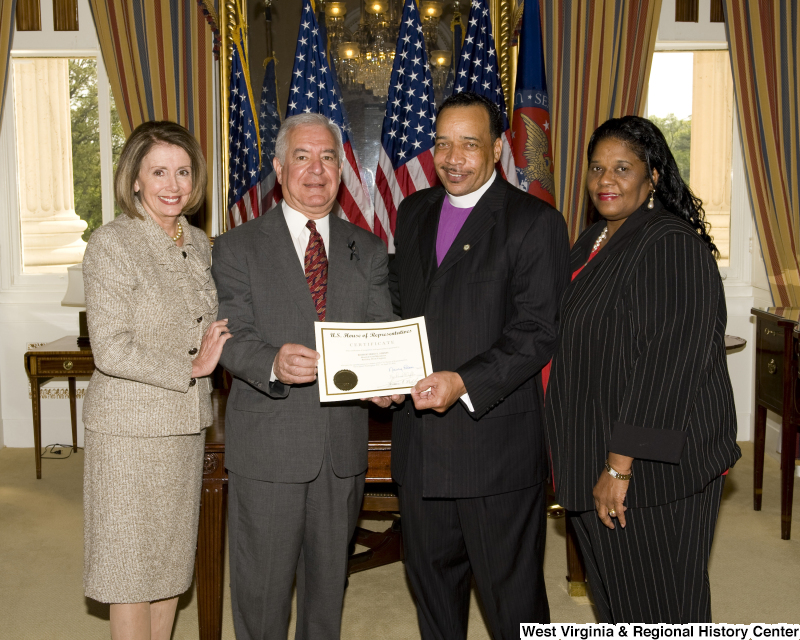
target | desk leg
x=73, y=413
x=758, y=455
x=37, y=425
x=576, y=571
x=788, y=447
x=211, y=547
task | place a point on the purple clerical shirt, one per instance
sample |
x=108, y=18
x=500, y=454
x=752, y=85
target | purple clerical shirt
x=450, y=222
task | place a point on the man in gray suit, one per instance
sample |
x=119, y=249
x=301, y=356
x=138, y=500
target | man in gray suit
x=296, y=467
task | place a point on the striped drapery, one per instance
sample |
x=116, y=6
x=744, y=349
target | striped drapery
x=159, y=58
x=763, y=40
x=7, y=11
x=597, y=58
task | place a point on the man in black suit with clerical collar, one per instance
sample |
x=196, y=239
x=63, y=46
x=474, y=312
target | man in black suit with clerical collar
x=486, y=264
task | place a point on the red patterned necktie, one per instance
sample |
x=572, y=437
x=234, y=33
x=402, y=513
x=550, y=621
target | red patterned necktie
x=316, y=265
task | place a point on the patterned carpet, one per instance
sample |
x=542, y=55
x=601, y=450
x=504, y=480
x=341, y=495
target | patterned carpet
x=753, y=572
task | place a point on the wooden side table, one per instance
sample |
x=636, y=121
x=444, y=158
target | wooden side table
x=59, y=359
x=776, y=389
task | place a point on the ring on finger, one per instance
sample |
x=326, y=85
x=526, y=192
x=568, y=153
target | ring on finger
x=612, y=513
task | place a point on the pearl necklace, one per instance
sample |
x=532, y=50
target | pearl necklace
x=600, y=239
x=178, y=235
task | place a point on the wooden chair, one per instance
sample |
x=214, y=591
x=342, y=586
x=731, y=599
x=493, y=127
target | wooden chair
x=380, y=501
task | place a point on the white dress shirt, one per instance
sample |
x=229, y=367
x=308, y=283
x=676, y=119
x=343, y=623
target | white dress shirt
x=300, y=233
x=296, y=222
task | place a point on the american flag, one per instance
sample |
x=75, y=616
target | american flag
x=478, y=73
x=405, y=164
x=244, y=186
x=269, y=121
x=315, y=90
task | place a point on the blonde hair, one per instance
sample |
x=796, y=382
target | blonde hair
x=141, y=141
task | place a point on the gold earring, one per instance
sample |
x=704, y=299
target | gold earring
x=651, y=204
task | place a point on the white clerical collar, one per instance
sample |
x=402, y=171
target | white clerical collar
x=471, y=199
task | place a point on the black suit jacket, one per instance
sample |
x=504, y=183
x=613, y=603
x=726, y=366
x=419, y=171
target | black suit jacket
x=640, y=368
x=490, y=311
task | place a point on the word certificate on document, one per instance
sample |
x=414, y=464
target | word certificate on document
x=362, y=360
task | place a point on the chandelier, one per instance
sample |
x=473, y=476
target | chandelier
x=365, y=56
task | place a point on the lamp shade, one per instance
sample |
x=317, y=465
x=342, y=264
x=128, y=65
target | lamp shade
x=441, y=57
x=335, y=9
x=432, y=8
x=349, y=50
x=376, y=6
x=74, y=296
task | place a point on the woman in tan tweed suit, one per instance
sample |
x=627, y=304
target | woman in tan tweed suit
x=151, y=306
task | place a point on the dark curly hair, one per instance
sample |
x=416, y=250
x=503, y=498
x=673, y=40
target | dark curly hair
x=467, y=99
x=648, y=143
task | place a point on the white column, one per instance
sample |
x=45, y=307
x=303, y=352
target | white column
x=51, y=230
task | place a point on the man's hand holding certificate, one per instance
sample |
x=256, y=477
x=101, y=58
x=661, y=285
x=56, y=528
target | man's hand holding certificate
x=366, y=360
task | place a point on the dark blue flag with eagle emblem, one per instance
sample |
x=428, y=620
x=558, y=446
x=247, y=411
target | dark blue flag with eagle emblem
x=530, y=125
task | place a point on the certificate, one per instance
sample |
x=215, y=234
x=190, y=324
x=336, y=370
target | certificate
x=362, y=360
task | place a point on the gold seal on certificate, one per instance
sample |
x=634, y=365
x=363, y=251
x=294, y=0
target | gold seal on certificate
x=362, y=360
x=345, y=379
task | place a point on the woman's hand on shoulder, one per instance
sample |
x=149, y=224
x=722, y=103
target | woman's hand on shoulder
x=214, y=339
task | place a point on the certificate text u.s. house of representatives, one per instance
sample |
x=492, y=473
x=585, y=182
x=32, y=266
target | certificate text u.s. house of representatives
x=362, y=360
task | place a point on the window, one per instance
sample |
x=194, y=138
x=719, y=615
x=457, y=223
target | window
x=85, y=121
x=59, y=132
x=690, y=98
x=57, y=119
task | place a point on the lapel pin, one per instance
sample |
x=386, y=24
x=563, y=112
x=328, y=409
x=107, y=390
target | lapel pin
x=466, y=247
x=353, y=250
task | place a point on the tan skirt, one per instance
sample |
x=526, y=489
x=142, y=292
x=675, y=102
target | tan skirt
x=141, y=500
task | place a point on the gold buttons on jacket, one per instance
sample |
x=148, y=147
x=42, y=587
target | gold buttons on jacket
x=466, y=247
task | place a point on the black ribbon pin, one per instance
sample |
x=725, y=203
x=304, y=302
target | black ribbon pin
x=353, y=250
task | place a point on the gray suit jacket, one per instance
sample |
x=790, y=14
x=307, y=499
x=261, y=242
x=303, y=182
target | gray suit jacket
x=274, y=432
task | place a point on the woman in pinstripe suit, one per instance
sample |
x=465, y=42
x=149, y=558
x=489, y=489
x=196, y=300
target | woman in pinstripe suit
x=640, y=413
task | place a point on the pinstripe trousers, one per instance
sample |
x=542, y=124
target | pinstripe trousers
x=282, y=532
x=499, y=539
x=656, y=568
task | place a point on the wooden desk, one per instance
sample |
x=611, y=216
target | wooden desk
x=60, y=359
x=210, y=561
x=211, y=533
x=777, y=348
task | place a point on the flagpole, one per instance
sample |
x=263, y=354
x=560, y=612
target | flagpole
x=231, y=14
x=506, y=14
x=456, y=22
x=514, y=48
x=224, y=81
x=268, y=40
x=268, y=27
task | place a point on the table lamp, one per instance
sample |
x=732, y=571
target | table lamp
x=74, y=298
